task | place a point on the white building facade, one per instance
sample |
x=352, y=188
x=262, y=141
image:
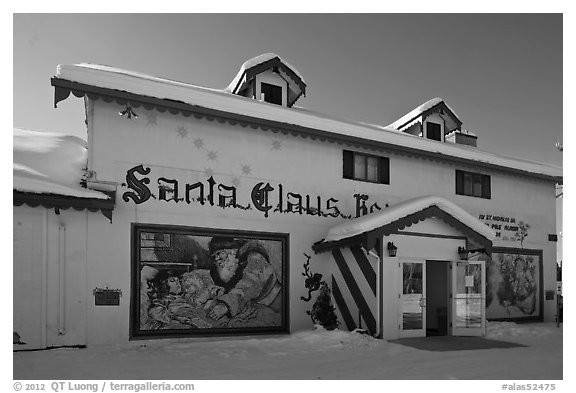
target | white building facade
x=194, y=173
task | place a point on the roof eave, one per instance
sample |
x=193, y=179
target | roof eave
x=64, y=87
x=64, y=202
x=369, y=239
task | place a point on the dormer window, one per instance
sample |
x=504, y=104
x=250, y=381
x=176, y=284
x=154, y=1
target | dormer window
x=268, y=78
x=432, y=120
x=434, y=131
x=271, y=93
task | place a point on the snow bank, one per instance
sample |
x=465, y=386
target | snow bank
x=303, y=355
x=50, y=163
x=316, y=340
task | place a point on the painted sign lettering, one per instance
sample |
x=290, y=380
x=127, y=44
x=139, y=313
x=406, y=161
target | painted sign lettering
x=141, y=192
x=506, y=228
x=264, y=197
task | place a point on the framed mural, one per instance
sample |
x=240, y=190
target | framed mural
x=198, y=281
x=514, y=284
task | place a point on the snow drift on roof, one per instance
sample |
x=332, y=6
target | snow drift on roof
x=140, y=84
x=49, y=163
x=253, y=62
x=376, y=220
x=418, y=111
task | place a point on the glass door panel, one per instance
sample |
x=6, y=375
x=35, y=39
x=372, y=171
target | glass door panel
x=412, y=300
x=468, y=298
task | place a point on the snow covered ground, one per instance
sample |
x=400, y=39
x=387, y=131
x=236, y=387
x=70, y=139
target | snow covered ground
x=303, y=355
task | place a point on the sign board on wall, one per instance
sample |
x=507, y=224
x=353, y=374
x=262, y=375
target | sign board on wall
x=506, y=227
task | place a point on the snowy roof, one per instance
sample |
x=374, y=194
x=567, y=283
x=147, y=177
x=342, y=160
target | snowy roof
x=463, y=132
x=416, y=112
x=376, y=220
x=255, y=61
x=50, y=163
x=296, y=86
x=145, y=86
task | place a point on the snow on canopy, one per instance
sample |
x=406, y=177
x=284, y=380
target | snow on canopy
x=253, y=62
x=418, y=111
x=376, y=220
x=145, y=85
x=50, y=163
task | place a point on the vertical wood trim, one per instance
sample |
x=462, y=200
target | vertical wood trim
x=43, y=275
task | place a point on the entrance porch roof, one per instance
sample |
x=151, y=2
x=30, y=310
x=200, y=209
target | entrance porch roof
x=368, y=229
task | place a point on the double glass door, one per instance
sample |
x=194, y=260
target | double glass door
x=467, y=284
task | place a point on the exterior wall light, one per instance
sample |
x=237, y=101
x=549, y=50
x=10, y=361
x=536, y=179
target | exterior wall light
x=392, y=249
x=463, y=253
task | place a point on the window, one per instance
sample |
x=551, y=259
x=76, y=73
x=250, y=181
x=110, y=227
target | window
x=271, y=93
x=365, y=167
x=473, y=184
x=433, y=131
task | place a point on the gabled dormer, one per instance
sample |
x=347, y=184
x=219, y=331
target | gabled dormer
x=270, y=79
x=434, y=120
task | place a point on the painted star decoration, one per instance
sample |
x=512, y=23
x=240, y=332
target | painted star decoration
x=209, y=172
x=246, y=170
x=212, y=156
x=182, y=132
x=276, y=145
x=198, y=143
x=236, y=182
x=151, y=119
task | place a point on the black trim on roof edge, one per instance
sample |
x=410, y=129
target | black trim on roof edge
x=57, y=202
x=64, y=87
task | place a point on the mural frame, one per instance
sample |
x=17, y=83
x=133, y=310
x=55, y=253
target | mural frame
x=135, y=331
x=540, y=282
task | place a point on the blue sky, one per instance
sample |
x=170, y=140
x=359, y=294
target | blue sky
x=501, y=73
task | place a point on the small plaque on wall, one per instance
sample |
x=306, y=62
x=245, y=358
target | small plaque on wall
x=549, y=295
x=107, y=297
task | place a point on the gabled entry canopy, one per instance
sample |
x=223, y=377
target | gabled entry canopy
x=369, y=229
